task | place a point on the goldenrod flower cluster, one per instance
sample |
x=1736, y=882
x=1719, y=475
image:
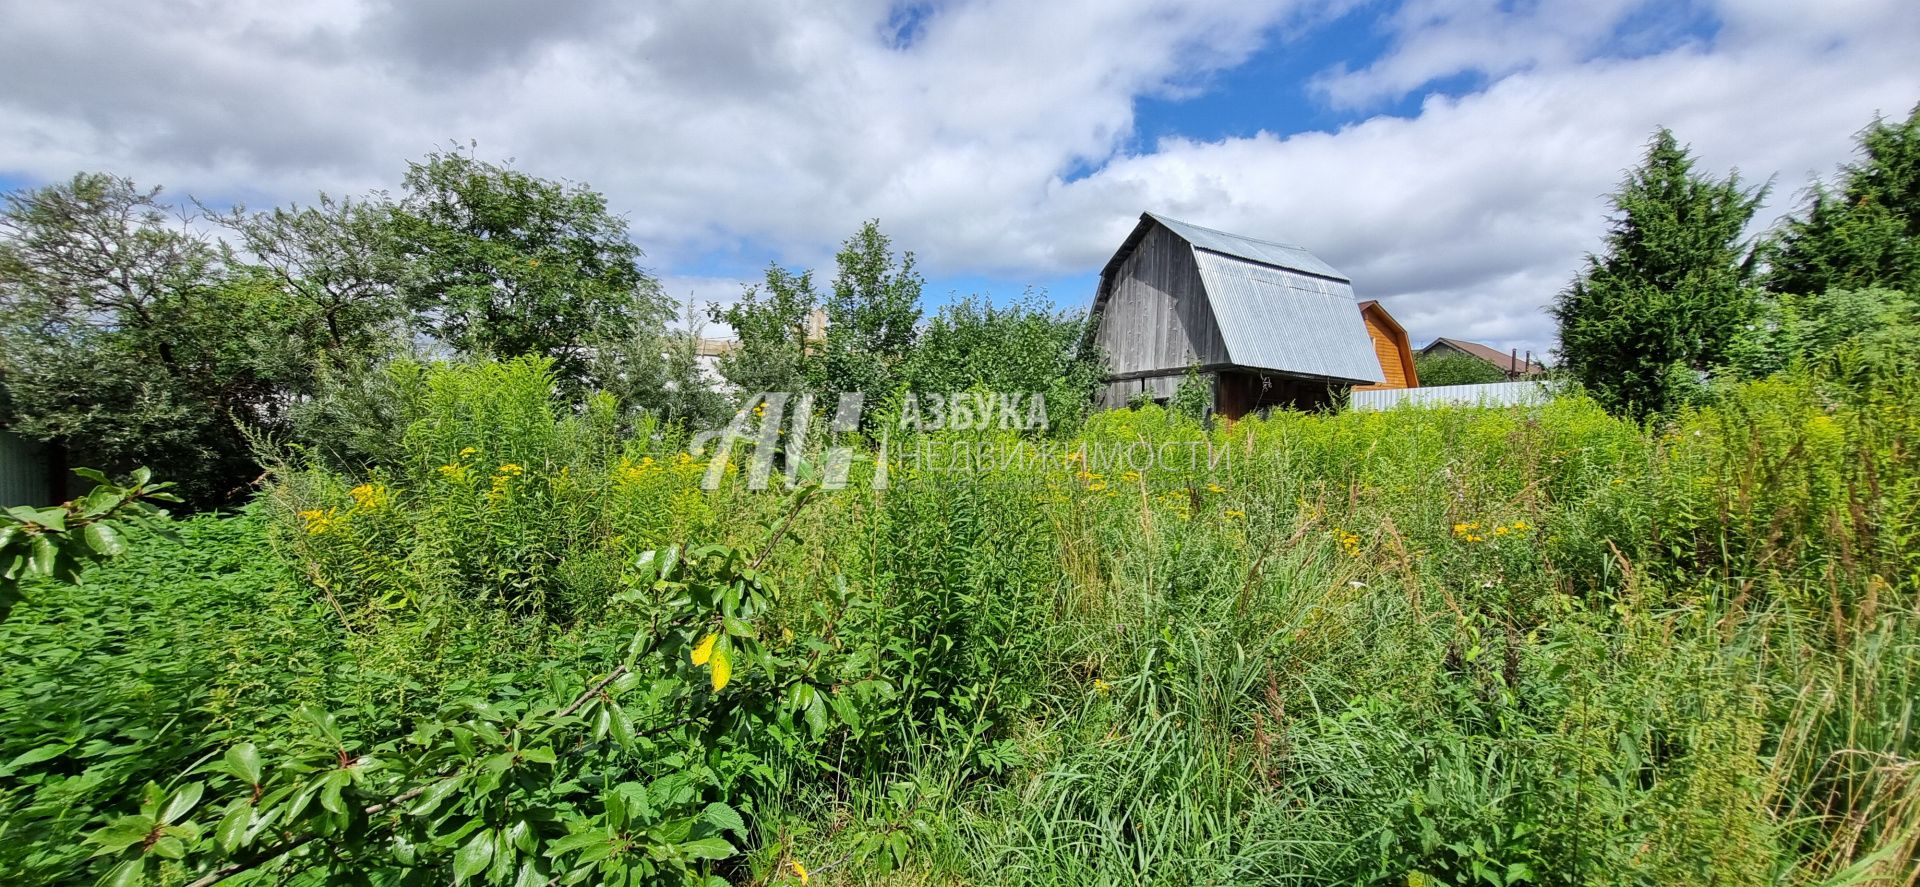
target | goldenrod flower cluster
x=320, y=522
x=371, y=497
x=1471, y=531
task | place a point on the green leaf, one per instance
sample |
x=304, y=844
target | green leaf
x=723, y=817
x=330, y=793
x=104, y=540
x=707, y=848
x=35, y=756
x=127, y=874
x=101, y=501
x=816, y=713
x=622, y=726
x=577, y=841
x=52, y=518
x=93, y=474
x=45, y=552
x=531, y=874
x=121, y=834
x=181, y=802
x=244, y=761
x=233, y=826
x=437, y=793
x=472, y=858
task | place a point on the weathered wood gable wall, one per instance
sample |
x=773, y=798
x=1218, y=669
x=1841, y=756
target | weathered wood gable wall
x=1156, y=319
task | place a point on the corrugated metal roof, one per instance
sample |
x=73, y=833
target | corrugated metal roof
x=1281, y=320
x=1266, y=252
x=1491, y=394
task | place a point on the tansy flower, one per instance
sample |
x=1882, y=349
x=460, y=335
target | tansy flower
x=1216, y=488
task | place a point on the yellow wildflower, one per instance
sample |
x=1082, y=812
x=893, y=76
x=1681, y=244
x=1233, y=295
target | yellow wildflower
x=369, y=496
x=1097, y=486
x=799, y=871
x=512, y=469
x=453, y=471
x=320, y=522
x=1499, y=531
x=1216, y=488
x=1236, y=514
x=467, y=451
x=1102, y=686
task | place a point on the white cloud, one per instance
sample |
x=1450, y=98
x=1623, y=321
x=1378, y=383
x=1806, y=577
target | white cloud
x=758, y=131
x=1467, y=218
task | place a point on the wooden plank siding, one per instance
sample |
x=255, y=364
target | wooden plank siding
x=1391, y=346
x=1156, y=317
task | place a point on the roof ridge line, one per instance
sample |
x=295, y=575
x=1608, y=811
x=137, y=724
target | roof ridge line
x=1280, y=243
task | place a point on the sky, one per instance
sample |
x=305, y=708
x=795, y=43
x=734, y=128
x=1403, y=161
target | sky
x=1453, y=158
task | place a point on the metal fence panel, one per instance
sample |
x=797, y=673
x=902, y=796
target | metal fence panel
x=1491, y=394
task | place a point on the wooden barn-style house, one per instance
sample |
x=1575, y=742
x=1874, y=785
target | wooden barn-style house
x=1272, y=324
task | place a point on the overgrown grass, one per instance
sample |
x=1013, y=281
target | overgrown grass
x=1456, y=646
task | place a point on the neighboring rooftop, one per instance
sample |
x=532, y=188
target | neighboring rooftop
x=1506, y=362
